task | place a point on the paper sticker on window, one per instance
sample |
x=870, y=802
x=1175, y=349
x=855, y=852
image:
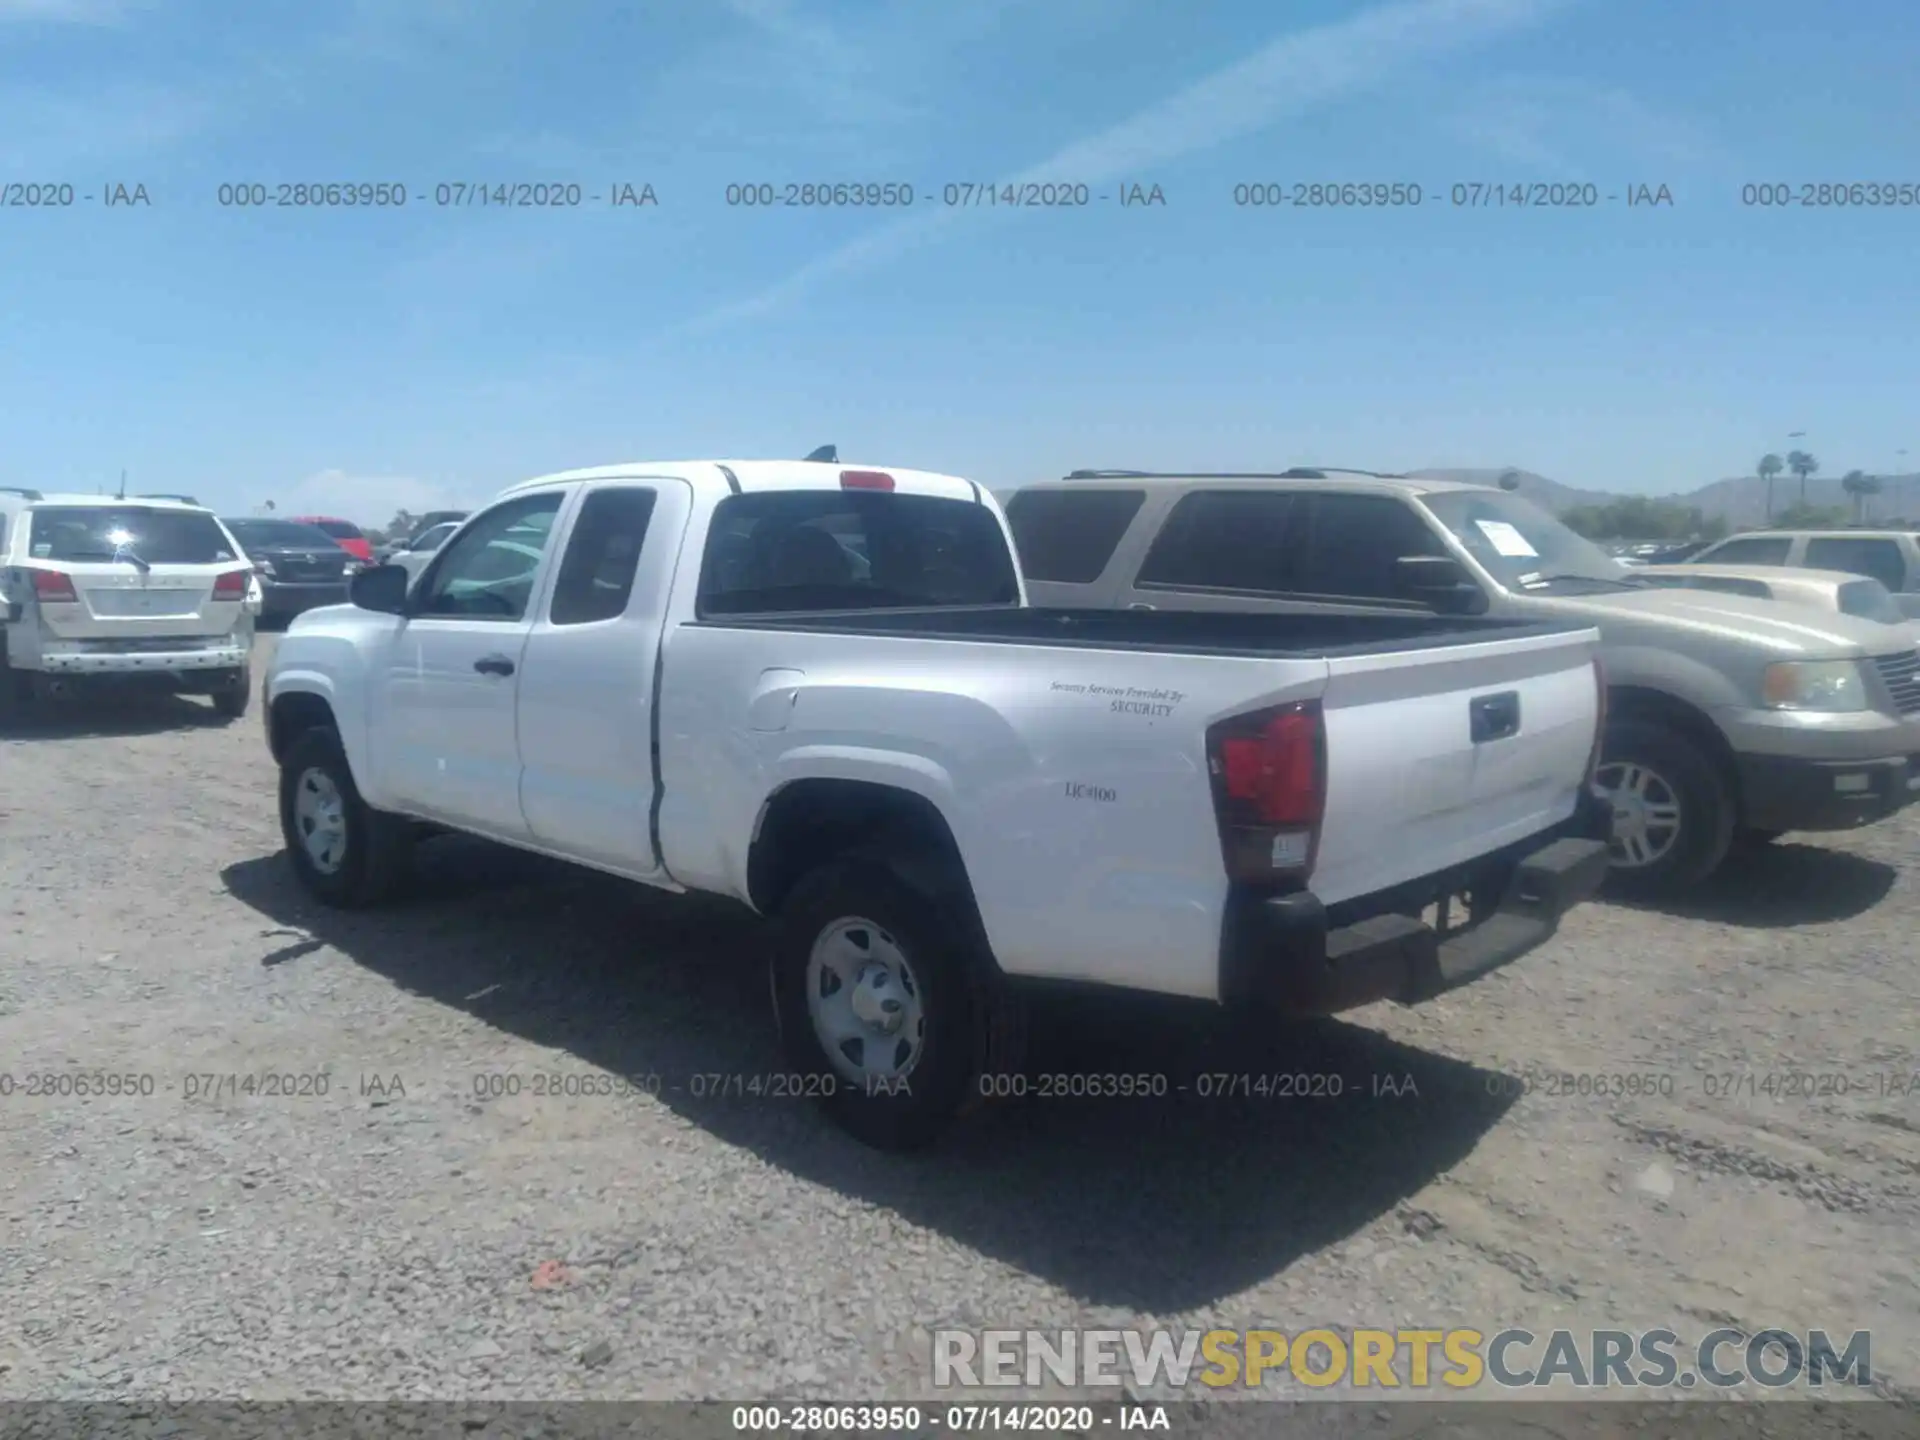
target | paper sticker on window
x=1506, y=540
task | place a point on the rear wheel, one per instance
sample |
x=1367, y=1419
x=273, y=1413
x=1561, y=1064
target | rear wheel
x=233, y=693
x=887, y=1016
x=1672, y=809
x=345, y=853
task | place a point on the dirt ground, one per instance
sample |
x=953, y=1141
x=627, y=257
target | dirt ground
x=385, y=1232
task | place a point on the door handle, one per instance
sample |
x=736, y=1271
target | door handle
x=1140, y=605
x=494, y=665
x=1494, y=717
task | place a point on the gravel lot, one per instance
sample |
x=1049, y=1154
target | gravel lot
x=391, y=1237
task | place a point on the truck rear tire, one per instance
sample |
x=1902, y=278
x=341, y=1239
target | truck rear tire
x=1673, y=809
x=346, y=854
x=884, y=1014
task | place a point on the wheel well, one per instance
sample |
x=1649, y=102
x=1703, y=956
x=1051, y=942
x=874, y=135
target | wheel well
x=1631, y=702
x=810, y=822
x=293, y=715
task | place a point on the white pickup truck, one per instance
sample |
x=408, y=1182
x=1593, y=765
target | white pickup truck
x=819, y=690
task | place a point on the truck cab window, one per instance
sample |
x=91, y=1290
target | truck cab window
x=488, y=573
x=603, y=555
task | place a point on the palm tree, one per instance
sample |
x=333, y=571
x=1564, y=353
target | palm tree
x=1770, y=466
x=1857, y=486
x=1802, y=464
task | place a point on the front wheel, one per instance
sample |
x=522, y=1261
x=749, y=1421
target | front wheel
x=1672, y=809
x=881, y=1008
x=345, y=853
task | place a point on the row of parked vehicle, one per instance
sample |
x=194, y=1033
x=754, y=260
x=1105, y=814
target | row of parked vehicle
x=1292, y=743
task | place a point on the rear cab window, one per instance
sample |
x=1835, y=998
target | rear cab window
x=94, y=533
x=791, y=550
x=1878, y=559
x=279, y=532
x=1069, y=536
x=1748, y=550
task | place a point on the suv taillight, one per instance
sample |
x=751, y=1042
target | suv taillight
x=231, y=586
x=1270, y=790
x=54, y=587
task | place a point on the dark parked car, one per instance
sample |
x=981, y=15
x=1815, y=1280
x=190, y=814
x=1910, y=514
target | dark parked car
x=300, y=566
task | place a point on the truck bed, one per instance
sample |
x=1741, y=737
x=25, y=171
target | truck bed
x=1251, y=635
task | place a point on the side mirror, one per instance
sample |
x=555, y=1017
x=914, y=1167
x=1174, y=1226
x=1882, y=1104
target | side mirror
x=1441, y=582
x=382, y=589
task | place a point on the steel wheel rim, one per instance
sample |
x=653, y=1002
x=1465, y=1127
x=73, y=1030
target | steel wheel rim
x=320, y=820
x=865, y=1002
x=1646, y=813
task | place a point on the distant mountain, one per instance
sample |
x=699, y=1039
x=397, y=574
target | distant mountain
x=1741, y=501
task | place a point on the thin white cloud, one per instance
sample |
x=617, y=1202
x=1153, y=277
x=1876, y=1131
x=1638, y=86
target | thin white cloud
x=1289, y=76
x=1568, y=128
x=67, y=12
x=364, y=499
x=54, y=132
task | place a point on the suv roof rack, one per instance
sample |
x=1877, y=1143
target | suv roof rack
x=162, y=495
x=22, y=491
x=1299, y=472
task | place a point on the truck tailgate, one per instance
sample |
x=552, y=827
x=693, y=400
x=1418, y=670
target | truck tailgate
x=1435, y=757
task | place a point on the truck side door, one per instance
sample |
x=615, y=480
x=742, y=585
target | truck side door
x=444, y=699
x=587, y=701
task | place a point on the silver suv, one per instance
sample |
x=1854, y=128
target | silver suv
x=96, y=590
x=1730, y=720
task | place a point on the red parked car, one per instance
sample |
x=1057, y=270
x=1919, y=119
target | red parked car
x=345, y=533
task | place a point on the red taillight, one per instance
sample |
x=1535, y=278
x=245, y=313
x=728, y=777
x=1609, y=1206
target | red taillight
x=231, y=586
x=54, y=586
x=865, y=480
x=1270, y=773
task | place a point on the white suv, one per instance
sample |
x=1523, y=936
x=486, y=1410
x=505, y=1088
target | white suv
x=94, y=589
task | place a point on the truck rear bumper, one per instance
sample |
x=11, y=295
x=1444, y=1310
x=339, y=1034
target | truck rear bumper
x=1280, y=952
x=1781, y=793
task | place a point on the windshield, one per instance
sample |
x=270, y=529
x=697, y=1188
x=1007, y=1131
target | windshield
x=279, y=532
x=101, y=532
x=1519, y=544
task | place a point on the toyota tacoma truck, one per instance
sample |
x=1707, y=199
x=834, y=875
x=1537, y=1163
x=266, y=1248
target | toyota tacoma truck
x=820, y=691
x=1730, y=720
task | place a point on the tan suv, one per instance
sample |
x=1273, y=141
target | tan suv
x=1730, y=720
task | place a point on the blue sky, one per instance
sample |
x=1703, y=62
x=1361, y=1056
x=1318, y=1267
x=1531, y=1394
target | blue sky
x=357, y=361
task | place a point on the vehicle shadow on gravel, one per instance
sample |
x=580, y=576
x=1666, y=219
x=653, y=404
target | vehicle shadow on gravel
x=111, y=717
x=1158, y=1205
x=1783, y=885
